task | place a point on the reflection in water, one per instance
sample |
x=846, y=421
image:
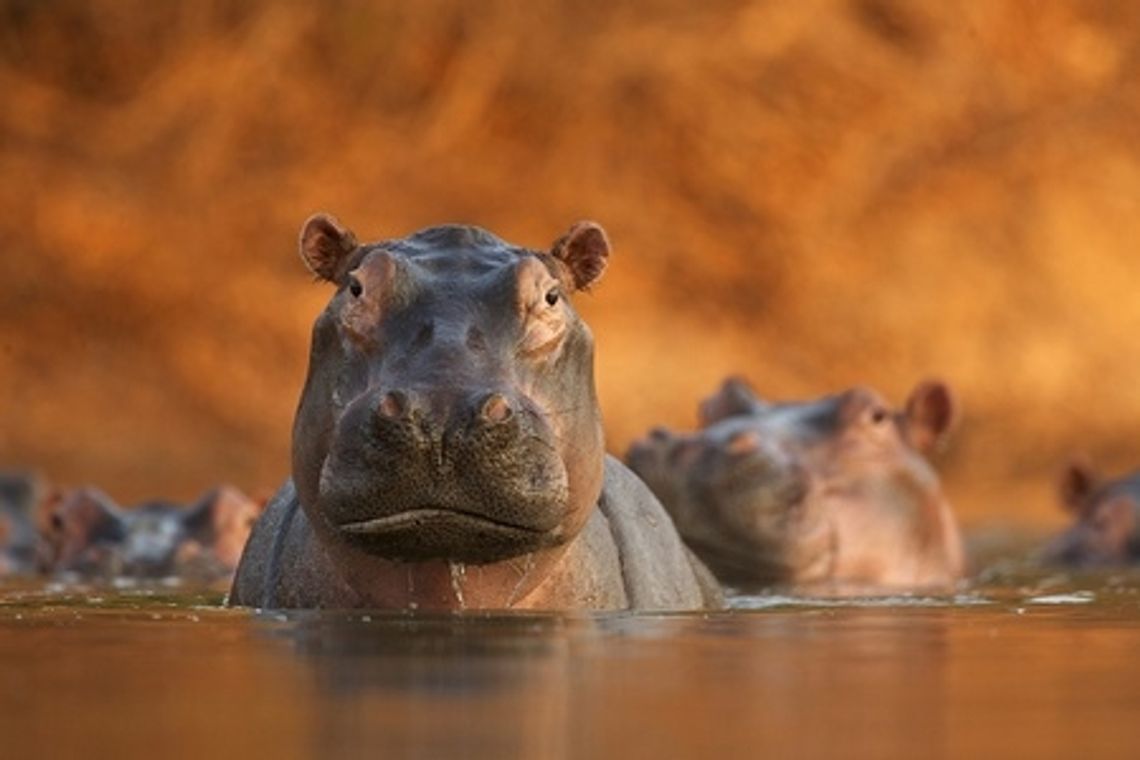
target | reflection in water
x=1038, y=667
x=493, y=686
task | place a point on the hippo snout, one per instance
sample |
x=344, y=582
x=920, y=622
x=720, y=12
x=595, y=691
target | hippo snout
x=469, y=474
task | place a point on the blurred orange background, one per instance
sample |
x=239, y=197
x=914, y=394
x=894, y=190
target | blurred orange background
x=812, y=194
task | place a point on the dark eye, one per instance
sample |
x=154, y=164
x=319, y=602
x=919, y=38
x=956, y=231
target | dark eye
x=879, y=416
x=552, y=296
x=355, y=287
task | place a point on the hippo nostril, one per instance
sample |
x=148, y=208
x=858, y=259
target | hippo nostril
x=394, y=405
x=495, y=409
x=744, y=442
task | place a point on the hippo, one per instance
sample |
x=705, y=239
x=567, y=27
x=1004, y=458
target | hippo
x=832, y=494
x=88, y=535
x=447, y=447
x=20, y=494
x=1106, y=532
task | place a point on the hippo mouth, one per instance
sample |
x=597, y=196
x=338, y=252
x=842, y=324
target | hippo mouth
x=437, y=533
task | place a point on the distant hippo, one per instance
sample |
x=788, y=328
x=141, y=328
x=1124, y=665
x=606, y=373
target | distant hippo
x=88, y=535
x=834, y=492
x=1107, y=511
x=20, y=494
x=448, y=450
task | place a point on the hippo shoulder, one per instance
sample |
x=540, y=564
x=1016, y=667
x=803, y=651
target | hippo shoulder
x=282, y=565
x=658, y=570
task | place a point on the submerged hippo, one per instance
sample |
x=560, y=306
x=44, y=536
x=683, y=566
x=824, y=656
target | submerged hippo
x=834, y=492
x=447, y=449
x=1107, y=511
x=19, y=539
x=88, y=535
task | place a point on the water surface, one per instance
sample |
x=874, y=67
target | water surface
x=1018, y=666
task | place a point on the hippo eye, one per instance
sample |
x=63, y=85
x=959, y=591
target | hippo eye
x=879, y=416
x=355, y=287
x=552, y=296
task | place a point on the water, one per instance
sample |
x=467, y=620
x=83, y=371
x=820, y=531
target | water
x=1022, y=665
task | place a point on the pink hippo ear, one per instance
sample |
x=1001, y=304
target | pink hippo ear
x=584, y=250
x=1077, y=483
x=326, y=245
x=931, y=413
x=735, y=398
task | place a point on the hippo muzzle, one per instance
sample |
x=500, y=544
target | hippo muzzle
x=416, y=474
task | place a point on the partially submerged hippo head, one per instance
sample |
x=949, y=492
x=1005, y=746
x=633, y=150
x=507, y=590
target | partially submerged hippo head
x=20, y=494
x=1107, y=511
x=449, y=413
x=833, y=490
x=89, y=535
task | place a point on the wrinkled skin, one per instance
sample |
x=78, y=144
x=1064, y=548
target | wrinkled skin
x=87, y=535
x=19, y=496
x=834, y=493
x=1106, y=530
x=447, y=448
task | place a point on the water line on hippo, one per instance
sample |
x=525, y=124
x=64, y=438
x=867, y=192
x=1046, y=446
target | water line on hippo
x=412, y=605
x=458, y=575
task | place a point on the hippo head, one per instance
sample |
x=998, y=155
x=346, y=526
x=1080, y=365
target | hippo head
x=19, y=497
x=449, y=415
x=88, y=534
x=82, y=530
x=1107, y=528
x=801, y=492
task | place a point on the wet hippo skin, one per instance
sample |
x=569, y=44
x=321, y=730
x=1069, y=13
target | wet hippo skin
x=448, y=449
x=834, y=493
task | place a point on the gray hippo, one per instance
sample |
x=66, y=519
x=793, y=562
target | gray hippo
x=835, y=493
x=448, y=449
x=20, y=494
x=86, y=534
x=1106, y=531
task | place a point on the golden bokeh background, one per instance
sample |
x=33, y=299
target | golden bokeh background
x=812, y=194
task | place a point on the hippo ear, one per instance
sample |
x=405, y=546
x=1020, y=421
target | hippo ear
x=325, y=245
x=216, y=510
x=86, y=512
x=199, y=518
x=1077, y=483
x=931, y=413
x=735, y=398
x=585, y=250
x=221, y=521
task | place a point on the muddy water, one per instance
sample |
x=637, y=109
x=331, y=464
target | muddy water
x=1019, y=666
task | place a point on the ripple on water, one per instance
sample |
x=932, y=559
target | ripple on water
x=1076, y=597
x=778, y=601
